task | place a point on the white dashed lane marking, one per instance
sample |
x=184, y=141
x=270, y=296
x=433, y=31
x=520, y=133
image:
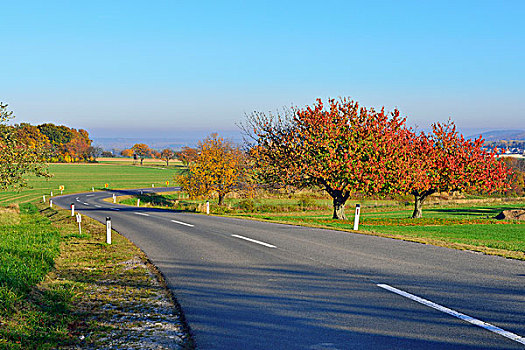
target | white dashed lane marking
x=255, y=241
x=182, y=223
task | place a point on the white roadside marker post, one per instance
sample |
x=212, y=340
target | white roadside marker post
x=92, y=189
x=356, y=218
x=152, y=185
x=108, y=230
x=138, y=202
x=79, y=220
x=51, y=194
x=208, y=207
x=114, y=198
x=43, y=198
x=72, y=209
x=51, y=203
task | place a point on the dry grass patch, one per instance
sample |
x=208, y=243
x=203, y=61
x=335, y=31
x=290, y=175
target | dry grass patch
x=10, y=215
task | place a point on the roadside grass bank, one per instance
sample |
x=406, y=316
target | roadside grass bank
x=83, y=177
x=33, y=313
x=464, y=223
x=63, y=289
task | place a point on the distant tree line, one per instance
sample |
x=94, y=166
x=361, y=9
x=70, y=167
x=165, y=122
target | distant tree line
x=62, y=143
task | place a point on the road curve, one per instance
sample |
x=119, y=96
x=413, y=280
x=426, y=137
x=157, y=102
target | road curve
x=246, y=284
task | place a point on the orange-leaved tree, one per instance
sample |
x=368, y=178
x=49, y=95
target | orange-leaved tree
x=219, y=167
x=166, y=155
x=142, y=151
x=342, y=148
x=187, y=155
x=128, y=153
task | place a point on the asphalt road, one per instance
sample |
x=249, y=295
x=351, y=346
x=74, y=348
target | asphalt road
x=246, y=284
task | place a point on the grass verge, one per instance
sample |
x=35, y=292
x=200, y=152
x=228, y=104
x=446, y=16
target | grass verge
x=62, y=289
x=33, y=314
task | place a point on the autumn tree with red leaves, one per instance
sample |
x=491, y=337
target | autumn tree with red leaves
x=445, y=161
x=343, y=148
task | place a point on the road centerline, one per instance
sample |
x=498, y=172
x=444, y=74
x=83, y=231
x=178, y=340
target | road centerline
x=467, y=318
x=254, y=241
x=143, y=214
x=182, y=223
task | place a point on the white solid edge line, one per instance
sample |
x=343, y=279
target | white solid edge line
x=182, y=223
x=143, y=214
x=89, y=195
x=474, y=321
x=98, y=206
x=85, y=203
x=255, y=241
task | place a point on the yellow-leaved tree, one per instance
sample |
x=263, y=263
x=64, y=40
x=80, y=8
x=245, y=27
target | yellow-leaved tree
x=218, y=168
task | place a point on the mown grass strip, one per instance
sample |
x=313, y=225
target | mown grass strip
x=31, y=318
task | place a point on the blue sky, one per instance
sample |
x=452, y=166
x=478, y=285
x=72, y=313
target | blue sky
x=158, y=67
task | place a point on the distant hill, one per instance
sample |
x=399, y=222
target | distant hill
x=501, y=135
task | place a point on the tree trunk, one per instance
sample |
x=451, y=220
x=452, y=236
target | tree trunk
x=141, y=160
x=167, y=162
x=221, y=198
x=418, y=207
x=419, y=199
x=339, y=204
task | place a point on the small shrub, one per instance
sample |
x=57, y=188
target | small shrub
x=306, y=203
x=247, y=205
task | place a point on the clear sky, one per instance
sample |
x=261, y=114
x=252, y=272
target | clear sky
x=117, y=67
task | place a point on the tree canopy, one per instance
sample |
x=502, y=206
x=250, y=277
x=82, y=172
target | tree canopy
x=142, y=151
x=167, y=155
x=343, y=149
x=445, y=161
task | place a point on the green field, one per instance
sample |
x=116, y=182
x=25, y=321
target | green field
x=82, y=177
